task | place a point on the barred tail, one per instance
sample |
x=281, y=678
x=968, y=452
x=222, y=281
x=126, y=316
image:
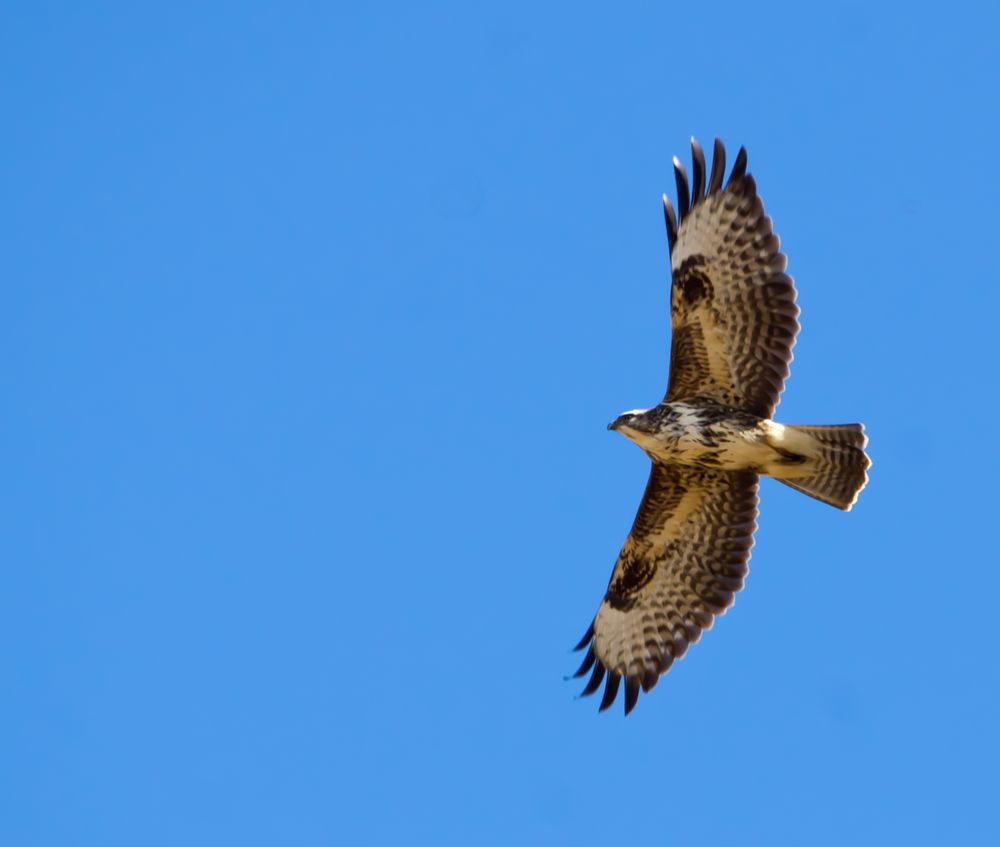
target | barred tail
x=836, y=467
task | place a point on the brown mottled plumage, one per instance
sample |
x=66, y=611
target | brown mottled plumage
x=734, y=323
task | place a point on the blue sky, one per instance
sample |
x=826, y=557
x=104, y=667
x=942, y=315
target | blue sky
x=313, y=319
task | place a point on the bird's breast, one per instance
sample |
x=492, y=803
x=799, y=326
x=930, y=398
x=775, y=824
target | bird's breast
x=708, y=437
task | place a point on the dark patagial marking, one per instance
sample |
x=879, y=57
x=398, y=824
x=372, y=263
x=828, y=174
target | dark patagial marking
x=624, y=591
x=695, y=286
x=692, y=282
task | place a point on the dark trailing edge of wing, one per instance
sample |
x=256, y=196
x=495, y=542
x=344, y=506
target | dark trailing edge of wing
x=690, y=195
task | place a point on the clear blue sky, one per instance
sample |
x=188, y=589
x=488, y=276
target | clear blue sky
x=313, y=320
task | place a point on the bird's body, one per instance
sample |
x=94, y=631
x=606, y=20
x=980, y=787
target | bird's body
x=702, y=433
x=734, y=323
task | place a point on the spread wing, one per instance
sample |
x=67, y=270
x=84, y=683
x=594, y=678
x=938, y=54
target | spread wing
x=732, y=306
x=682, y=564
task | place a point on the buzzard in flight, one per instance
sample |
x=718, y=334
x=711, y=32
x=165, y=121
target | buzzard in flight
x=733, y=316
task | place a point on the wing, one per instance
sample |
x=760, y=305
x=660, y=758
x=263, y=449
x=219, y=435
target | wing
x=732, y=306
x=682, y=564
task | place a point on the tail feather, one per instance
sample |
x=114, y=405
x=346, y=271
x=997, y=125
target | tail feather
x=836, y=467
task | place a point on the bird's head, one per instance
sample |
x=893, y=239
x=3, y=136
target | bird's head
x=632, y=424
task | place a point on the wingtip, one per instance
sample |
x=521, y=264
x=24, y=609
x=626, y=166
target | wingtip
x=683, y=193
x=594, y=682
x=587, y=636
x=739, y=166
x=610, y=691
x=588, y=663
x=631, y=692
x=718, y=167
x=698, y=172
x=671, y=221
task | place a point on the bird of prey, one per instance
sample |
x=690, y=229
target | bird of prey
x=734, y=321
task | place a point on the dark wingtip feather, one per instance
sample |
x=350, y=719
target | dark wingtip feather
x=610, y=690
x=589, y=634
x=671, y=221
x=588, y=661
x=718, y=167
x=739, y=166
x=595, y=680
x=698, y=173
x=683, y=195
x=631, y=692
